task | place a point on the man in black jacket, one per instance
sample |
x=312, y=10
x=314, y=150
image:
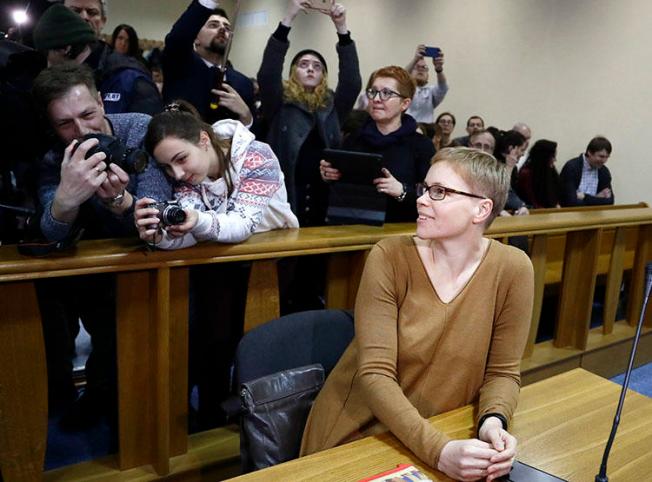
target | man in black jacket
x=194, y=52
x=585, y=180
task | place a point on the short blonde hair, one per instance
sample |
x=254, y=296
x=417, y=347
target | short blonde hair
x=482, y=172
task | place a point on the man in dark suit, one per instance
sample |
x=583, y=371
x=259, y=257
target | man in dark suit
x=194, y=51
x=585, y=180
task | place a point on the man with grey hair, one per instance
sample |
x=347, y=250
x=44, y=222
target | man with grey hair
x=93, y=12
x=524, y=129
x=125, y=83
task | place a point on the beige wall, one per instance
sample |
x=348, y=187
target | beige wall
x=570, y=68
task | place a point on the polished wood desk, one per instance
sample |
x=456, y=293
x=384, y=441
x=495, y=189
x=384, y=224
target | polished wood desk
x=562, y=424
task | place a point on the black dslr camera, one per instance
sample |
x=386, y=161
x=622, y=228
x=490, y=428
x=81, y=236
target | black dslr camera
x=169, y=212
x=133, y=161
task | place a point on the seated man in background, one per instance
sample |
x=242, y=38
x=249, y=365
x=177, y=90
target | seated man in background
x=126, y=85
x=475, y=123
x=483, y=140
x=585, y=180
x=194, y=52
x=523, y=129
x=87, y=196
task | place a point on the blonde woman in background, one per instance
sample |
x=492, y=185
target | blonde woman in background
x=303, y=113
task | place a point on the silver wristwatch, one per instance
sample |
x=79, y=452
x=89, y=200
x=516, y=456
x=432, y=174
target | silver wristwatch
x=115, y=201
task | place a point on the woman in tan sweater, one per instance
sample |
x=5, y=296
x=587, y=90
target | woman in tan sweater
x=441, y=321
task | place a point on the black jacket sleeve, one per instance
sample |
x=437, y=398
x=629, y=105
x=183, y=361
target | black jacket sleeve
x=349, y=81
x=178, y=51
x=270, y=77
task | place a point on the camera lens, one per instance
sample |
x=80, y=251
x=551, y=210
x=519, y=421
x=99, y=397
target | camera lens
x=136, y=160
x=173, y=215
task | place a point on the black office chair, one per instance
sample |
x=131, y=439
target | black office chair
x=280, y=367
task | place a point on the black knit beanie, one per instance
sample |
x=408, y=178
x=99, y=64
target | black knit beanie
x=301, y=53
x=60, y=27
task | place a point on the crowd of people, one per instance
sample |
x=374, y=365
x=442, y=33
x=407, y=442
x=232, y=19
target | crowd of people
x=239, y=156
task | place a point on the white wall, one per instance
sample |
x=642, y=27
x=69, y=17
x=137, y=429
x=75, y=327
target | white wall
x=569, y=68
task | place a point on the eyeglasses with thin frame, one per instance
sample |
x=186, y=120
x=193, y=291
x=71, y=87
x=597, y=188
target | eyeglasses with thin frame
x=384, y=94
x=316, y=66
x=437, y=192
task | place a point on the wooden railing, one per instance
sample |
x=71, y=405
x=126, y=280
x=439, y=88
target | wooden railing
x=152, y=307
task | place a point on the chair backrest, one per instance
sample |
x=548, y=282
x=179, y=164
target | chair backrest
x=277, y=367
x=295, y=340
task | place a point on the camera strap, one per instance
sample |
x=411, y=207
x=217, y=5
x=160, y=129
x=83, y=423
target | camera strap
x=44, y=248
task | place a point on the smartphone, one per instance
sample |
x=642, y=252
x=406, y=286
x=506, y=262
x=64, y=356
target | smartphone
x=433, y=52
x=322, y=5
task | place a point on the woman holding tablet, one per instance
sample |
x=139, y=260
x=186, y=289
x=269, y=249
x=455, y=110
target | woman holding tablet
x=391, y=132
x=441, y=321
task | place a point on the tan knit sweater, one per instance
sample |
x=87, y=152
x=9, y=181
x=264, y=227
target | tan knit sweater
x=414, y=356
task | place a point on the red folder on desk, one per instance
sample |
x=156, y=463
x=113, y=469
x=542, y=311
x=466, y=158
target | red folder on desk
x=402, y=473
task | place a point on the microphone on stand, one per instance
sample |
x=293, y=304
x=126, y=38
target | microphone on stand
x=602, y=475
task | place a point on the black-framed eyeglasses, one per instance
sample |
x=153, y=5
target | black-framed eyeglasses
x=437, y=192
x=384, y=94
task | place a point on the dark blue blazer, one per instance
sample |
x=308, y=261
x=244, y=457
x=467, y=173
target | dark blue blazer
x=186, y=74
x=570, y=178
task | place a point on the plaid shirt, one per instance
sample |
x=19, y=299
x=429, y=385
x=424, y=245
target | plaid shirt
x=589, y=181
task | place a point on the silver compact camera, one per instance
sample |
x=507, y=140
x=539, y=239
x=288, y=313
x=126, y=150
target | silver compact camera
x=169, y=212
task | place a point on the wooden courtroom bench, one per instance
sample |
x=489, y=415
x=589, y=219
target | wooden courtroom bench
x=152, y=307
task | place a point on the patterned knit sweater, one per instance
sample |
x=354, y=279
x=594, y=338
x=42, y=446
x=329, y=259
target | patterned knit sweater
x=258, y=202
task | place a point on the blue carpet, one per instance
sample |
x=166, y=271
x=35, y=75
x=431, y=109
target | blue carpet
x=66, y=448
x=640, y=380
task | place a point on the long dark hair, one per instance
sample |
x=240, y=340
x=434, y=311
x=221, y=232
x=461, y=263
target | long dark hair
x=182, y=121
x=134, y=48
x=504, y=141
x=545, y=178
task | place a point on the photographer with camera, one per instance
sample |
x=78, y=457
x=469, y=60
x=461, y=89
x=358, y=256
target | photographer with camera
x=86, y=191
x=77, y=189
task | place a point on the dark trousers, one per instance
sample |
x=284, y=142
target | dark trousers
x=63, y=302
x=218, y=294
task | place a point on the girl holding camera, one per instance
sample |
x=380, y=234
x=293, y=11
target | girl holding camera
x=229, y=185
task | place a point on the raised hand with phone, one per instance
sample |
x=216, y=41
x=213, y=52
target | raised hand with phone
x=428, y=96
x=304, y=113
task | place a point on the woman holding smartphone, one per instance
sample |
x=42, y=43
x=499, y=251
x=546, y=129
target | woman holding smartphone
x=303, y=113
x=441, y=321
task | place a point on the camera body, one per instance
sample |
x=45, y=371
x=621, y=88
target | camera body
x=131, y=160
x=169, y=212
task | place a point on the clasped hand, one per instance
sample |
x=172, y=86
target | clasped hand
x=473, y=459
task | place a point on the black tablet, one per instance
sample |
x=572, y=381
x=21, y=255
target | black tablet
x=355, y=167
x=526, y=473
